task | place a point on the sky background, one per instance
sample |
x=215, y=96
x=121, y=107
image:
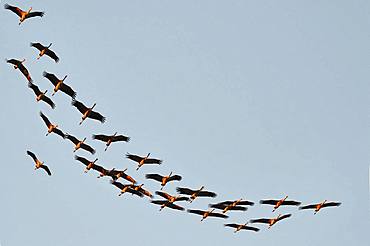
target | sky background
x=252, y=99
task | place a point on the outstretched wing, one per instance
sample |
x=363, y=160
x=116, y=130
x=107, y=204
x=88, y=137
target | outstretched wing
x=46, y=169
x=36, y=13
x=59, y=132
x=32, y=155
x=250, y=228
x=96, y=116
x=120, y=138
x=264, y=220
x=25, y=72
x=82, y=159
x=38, y=46
x=72, y=139
x=35, y=88
x=99, y=168
x=284, y=217
x=175, y=178
x=232, y=225
x=207, y=194
x=118, y=185
x=51, y=77
x=331, y=204
x=174, y=206
x=101, y=137
x=14, y=9
x=134, y=157
x=88, y=148
x=312, y=206
x=52, y=55
x=291, y=203
x=218, y=215
x=154, y=176
x=196, y=211
x=153, y=161
x=68, y=90
x=269, y=202
x=48, y=101
x=45, y=119
x=185, y=191
x=80, y=106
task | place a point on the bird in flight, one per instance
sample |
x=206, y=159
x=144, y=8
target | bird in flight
x=195, y=193
x=38, y=163
x=108, y=139
x=163, y=179
x=80, y=144
x=19, y=65
x=51, y=127
x=59, y=84
x=143, y=160
x=23, y=15
x=45, y=50
x=87, y=112
x=270, y=221
x=281, y=202
x=41, y=95
x=318, y=206
x=239, y=227
x=208, y=213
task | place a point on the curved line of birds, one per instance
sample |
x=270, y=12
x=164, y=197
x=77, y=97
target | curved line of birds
x=184, y=194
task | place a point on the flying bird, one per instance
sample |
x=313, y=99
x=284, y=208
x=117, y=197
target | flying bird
x=281, y=202
x=271, y=221
x=51, y=127
x=116, y=174
x=38, y=163
x=110, y=139
x=239, y=227
x=208, y=213
x=163, y=179
x=195, y=193
x=166, y=203
x=232, y=205
x=23, y=15
x=90, y=164
x=126, y=188
x=41, y=95
x=142, y=190
x=59, y=84
x=143, y=160
x=45, y=50
x=171, y=198
x=80, y=144
x=87, y=112
x=19, y=65
x=317, y=207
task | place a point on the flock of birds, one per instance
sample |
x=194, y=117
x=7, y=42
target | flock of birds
x=168, y=201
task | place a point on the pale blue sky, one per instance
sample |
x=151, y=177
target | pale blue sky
x=253, y=99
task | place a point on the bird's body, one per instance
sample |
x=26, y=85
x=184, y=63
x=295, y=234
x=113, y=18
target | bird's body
x=41, y=95
x=143, y=160
x=51, y=127
x=195, y=193
x=45, y=50
x=142, y=190
x=278, y=203
x=317, y=207
x=60, y=85
x=271, y=221
x=38, y=163
x=87, y=112
x=109, y=139
x=239, y=227
x=207, y=213
x=163, y=179
x=17, y=64
x=23, y=15
x=80, y=144
x=168, y=204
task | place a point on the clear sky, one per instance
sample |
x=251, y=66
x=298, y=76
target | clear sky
x=253, y=99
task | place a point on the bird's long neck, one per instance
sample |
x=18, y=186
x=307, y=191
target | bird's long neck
x=29, y=11
x=95, y=160
x=64, y=78
x=93, y=106
x=49, y=45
